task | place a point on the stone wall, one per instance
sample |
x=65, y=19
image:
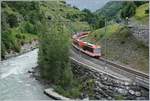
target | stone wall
x=140, y=31
x=142, y=34
x=105, y=86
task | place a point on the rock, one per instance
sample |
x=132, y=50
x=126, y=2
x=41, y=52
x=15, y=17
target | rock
x=126, y=83
x=134, y=83
x=30, y=71
x=127, y=88
x=138, y=93
x=98, y=97
x=122, y=91
x=50, y=92
x=140, y=98
x=87, y=99
x=105, y=78
x=131, y=92
x=109, y=98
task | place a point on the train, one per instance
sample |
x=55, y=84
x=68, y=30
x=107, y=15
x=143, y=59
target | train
x=86, y=47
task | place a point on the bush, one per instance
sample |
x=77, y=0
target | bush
x=147, y=11
x=54, y=55
x=119, y=97
x=138, y=3
x=75, y=7
x=17, y=47
x=29, y=28
x=13, y=20
x=64, y=2
x=18, y=36
x=73, y=91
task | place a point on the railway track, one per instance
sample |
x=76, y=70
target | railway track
x=112, y=68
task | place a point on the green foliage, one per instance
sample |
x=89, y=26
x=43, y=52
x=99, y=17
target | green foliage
x=110, y=10
x=138, y=3
x=88, y=16
x=119, y=97
x=54, y=54
x=141, y=15
x=19, y=21
x=94, y=20
x=128, y=10
x=72, y=92
x=29, y=28
x=100, y=34
x=90, y=86
x=147, y=11
x=24, y=17
x=13, y=20
x=117, y=9
x=9, y=42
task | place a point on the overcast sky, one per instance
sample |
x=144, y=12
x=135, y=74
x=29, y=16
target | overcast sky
x=93, y=5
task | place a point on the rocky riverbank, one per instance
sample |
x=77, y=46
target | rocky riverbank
x=99, y=86
x=106, y=87
x=24, y=49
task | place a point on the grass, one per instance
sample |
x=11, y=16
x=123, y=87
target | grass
x=79, y=26
x=58, y=10
x=140, y=14
x=122, y=46
x=25, y=37
x=100, y=34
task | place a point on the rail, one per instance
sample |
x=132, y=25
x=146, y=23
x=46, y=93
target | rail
x=125, y=68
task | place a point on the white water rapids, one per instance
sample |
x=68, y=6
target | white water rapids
x=16, y=83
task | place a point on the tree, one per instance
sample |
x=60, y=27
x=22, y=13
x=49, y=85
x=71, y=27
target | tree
x=75, y=7
x=54, y=54
x=128, y=9
x=138, y=3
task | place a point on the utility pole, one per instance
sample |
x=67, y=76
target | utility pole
x=105, y=67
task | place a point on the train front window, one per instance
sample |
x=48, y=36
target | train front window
x=97, y=50
x=88, y=49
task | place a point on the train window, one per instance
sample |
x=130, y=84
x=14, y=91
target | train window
x=88, y=48
x=97, y=50
x=76, y=43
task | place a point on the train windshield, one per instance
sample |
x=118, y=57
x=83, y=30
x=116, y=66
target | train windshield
x=97, y=50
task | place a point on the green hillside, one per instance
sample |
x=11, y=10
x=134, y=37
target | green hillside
x=141, y=15
x=21, y=21
x=111, y=9
x=119, y=45
x=123, y=9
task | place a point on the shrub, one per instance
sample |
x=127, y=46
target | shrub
x=147, y=11
x=64, y=2
x=54, y=55
x=13, y=20
x=18, y=36
x=29, y=28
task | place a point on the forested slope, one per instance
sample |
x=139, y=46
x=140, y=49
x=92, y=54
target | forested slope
x=21, y=21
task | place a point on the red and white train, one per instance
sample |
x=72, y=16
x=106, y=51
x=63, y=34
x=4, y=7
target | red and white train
x=87, y=48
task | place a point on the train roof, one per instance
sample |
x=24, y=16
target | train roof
x=93, y=46
x=89, y=44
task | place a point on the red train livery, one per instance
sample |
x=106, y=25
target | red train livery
x=85, y=47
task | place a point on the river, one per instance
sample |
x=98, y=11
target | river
x=15, y=81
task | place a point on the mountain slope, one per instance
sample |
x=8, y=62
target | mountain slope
x=111, y=9
x=21, y=21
